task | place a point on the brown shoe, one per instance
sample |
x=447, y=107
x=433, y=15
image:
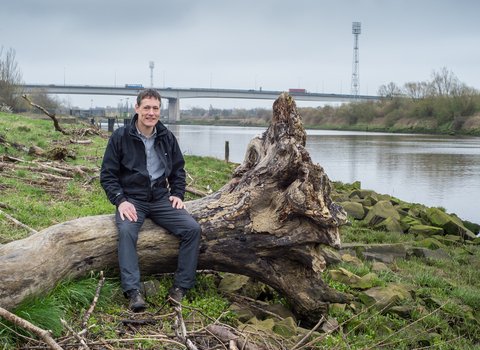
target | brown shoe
x=137, y=304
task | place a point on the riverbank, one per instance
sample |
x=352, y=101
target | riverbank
x=459, y=126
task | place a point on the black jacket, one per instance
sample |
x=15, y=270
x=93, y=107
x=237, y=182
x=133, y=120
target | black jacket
x=124, y=168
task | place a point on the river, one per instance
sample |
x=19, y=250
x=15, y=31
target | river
x=435, y=170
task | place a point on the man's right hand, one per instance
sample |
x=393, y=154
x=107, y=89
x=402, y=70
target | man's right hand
x=127, y=210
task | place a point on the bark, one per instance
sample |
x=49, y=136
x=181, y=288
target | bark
x=269, y=222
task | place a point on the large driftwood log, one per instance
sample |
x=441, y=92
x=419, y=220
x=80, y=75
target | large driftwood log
x=269, y=222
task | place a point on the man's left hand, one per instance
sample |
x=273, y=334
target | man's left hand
x=176, y=202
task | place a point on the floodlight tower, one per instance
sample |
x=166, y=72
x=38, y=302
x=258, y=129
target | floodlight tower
x=356, y=30
x=152, y=65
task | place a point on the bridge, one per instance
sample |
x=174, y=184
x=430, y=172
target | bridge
x=175, y=94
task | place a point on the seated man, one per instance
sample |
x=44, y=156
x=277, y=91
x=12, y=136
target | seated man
x=138, y=161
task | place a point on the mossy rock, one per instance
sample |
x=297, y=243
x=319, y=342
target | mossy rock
x=242, y=285
x=408, y=222
x=380, y=212
x=383, y=296
x=286, y=328
x=354, y=210
x=280, y=310
x=372, y=198
x=390, y=225
x=451, y=224
x=360, y=193
x=430, y=243
x=352, y=260
x=426, y=231
x=449, y=239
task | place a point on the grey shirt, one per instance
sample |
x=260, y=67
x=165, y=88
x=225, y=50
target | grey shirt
x=155, y=166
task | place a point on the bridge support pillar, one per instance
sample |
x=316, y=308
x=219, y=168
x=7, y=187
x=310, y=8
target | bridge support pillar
x=173, y=109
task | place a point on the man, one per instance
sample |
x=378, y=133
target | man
x=138, y=161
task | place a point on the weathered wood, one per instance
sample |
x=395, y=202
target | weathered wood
x=269, y=222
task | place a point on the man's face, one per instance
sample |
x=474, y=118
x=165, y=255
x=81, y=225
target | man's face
x=148, y=112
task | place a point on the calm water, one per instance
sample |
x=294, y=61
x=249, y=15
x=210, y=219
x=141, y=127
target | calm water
x=429, y=169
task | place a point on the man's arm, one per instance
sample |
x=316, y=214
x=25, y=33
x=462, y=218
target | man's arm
x=110, y=174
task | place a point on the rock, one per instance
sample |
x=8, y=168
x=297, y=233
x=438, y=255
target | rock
x=404, y=311
x=452, y=225
x=476, y=240
x=384, y=197
x=151, y=288
x=379, y=266
x=395, y=201
x=244, y=314
x=354, y=210
x=242, y=285
x=438, y=254
x=352, y=260
x=383, y=296
x=255, y=325
x=336, y=307
x=408, y=222
x=426, y=231
x=286, y=328
x=343, y=276
x=372, y=198
x=397, y=250
x=329, y=325
x=343, y=252
x=383, y=258
x=450, y=240
x=380, y=212
x=331, y=257
x=280, y=310
x=361, y=193
x=366, y=281
x=390, y=225
x=339, y=198
x=430, y=243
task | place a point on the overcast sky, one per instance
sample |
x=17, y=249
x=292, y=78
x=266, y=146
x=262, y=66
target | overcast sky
x=273, y=44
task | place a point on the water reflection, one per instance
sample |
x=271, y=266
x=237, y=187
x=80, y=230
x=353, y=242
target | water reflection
x=429, y=169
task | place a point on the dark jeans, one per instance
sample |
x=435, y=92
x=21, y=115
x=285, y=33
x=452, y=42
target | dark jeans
x=177, y=221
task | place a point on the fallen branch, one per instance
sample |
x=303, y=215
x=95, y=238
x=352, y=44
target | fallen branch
x=84, y=345
x=6, y=206
x=94, y=303
x=82, y=142
x=52, y=116
x=196, y=192
x=18, y=321
x=18, y=222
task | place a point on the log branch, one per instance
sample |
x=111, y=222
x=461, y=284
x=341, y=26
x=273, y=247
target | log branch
x=18, y=222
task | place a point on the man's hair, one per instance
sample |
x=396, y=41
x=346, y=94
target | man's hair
x=148, y=93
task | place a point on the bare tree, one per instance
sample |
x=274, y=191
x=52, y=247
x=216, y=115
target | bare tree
x=466, y=99
x=390, y=91
x=418, y=90
x=443, y=82
x=11, y=84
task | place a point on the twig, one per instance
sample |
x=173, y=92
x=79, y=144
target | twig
x=18, y=222
x=309, y=333
x=6, y=206
x=91, y=179
x=94, y=303
x=446, y=342
x=46, y=335
x=84, y=345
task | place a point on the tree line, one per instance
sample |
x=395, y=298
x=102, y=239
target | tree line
x=443, y=99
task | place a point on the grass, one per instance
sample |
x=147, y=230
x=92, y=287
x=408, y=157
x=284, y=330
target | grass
x=40, y=202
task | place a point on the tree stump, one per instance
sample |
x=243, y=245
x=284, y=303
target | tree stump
x=269, y=222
